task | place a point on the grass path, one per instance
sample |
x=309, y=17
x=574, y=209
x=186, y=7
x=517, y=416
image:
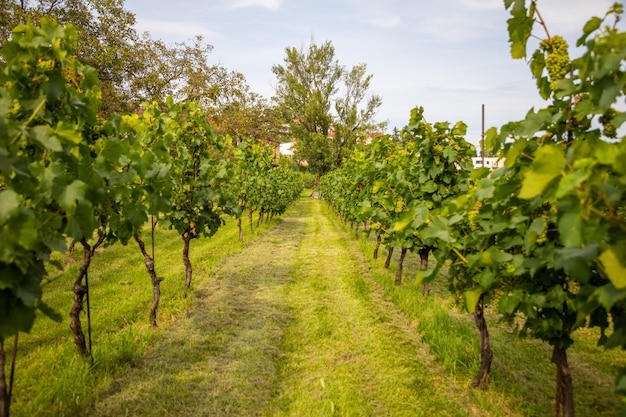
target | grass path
x=289, y=326
x=295, y=325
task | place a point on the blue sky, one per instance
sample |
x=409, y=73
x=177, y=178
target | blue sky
x=449, y=56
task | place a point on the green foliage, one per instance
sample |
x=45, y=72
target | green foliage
x=544, y=236
x=395, y=185
x=200, y=175
x=325, y=119
x=50, y=184
x=261, y=184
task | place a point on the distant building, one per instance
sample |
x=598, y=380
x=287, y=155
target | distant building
x=286, y=148
x=490, y=162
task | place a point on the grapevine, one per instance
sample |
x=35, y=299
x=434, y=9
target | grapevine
x=557, y=58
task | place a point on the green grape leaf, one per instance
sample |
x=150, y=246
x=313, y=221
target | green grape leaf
x=28, y=235
x=439, y=229
x=570, y=182
x=591, y=25
x=71, y=194
x=613, y=266
x=509, y=302
x=520, y=27
x=472, y=297
x=29, y=290
x=43, y=135
x=55, y=86
x=571, y=227
x=9, y=204
x=405, y=221
x=68, y=133
x=548, y=164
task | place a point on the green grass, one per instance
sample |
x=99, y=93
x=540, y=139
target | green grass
x=51, y=380
x=522, y=376
x=296, y=322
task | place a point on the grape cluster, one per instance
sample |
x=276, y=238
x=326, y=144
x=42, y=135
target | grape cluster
x=607, y=122
x=557, y=59
x=471, y=215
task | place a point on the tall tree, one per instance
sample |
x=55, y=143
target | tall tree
x=324, y=119
x=132, y=68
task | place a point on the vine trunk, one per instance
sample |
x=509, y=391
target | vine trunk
x=486, y=354
x=156, y=281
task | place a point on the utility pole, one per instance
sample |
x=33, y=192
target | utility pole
x=482, y=137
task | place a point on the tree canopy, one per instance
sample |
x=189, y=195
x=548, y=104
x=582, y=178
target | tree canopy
x=324, y=104
x=134, y=67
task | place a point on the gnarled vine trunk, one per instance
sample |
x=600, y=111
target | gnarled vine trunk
x=389, y=256
x=250, y=219
x=4, y=393
x=187, y=236
x=80, y=292
x=564, y=405
x=398, y=279
x=156, y=281
x=379, y=239
x=486, y=354
x=240, y=230
x=423, y=252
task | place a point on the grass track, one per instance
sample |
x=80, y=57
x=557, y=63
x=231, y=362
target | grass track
x=299, y=323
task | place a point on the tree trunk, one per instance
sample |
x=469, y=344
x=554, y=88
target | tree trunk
x=398, y=280
x=379, y=239
x=258, y=223
x=5, y=402
x=356, y=233
x=564, y=406
x=80, y=291
x=156, y=281
x=240, y=230
x=250, y=219
x=188, y=270
x=486, y=354
x=389, y=255
x=423, y=252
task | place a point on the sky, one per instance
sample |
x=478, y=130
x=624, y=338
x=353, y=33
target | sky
x=449, y=56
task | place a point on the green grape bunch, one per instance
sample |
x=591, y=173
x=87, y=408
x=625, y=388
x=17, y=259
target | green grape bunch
x=557, y=59
x=607, y=123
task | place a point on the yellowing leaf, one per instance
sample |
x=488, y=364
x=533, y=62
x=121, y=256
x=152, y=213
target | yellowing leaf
x=405, y=220
x=548, y=164
x=613, y=267
x=471, y=298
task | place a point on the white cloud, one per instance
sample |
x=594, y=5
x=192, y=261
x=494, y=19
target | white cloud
x=268, y=4
x=177, y=30
x=385, y=22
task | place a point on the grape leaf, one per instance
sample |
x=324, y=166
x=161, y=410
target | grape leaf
x=615, y=270
x=548, y=164
x=9, y=204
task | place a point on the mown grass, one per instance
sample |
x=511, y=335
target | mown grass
x=50, y=379
x=299, y=322
x=522, y=376
x=220, y=359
